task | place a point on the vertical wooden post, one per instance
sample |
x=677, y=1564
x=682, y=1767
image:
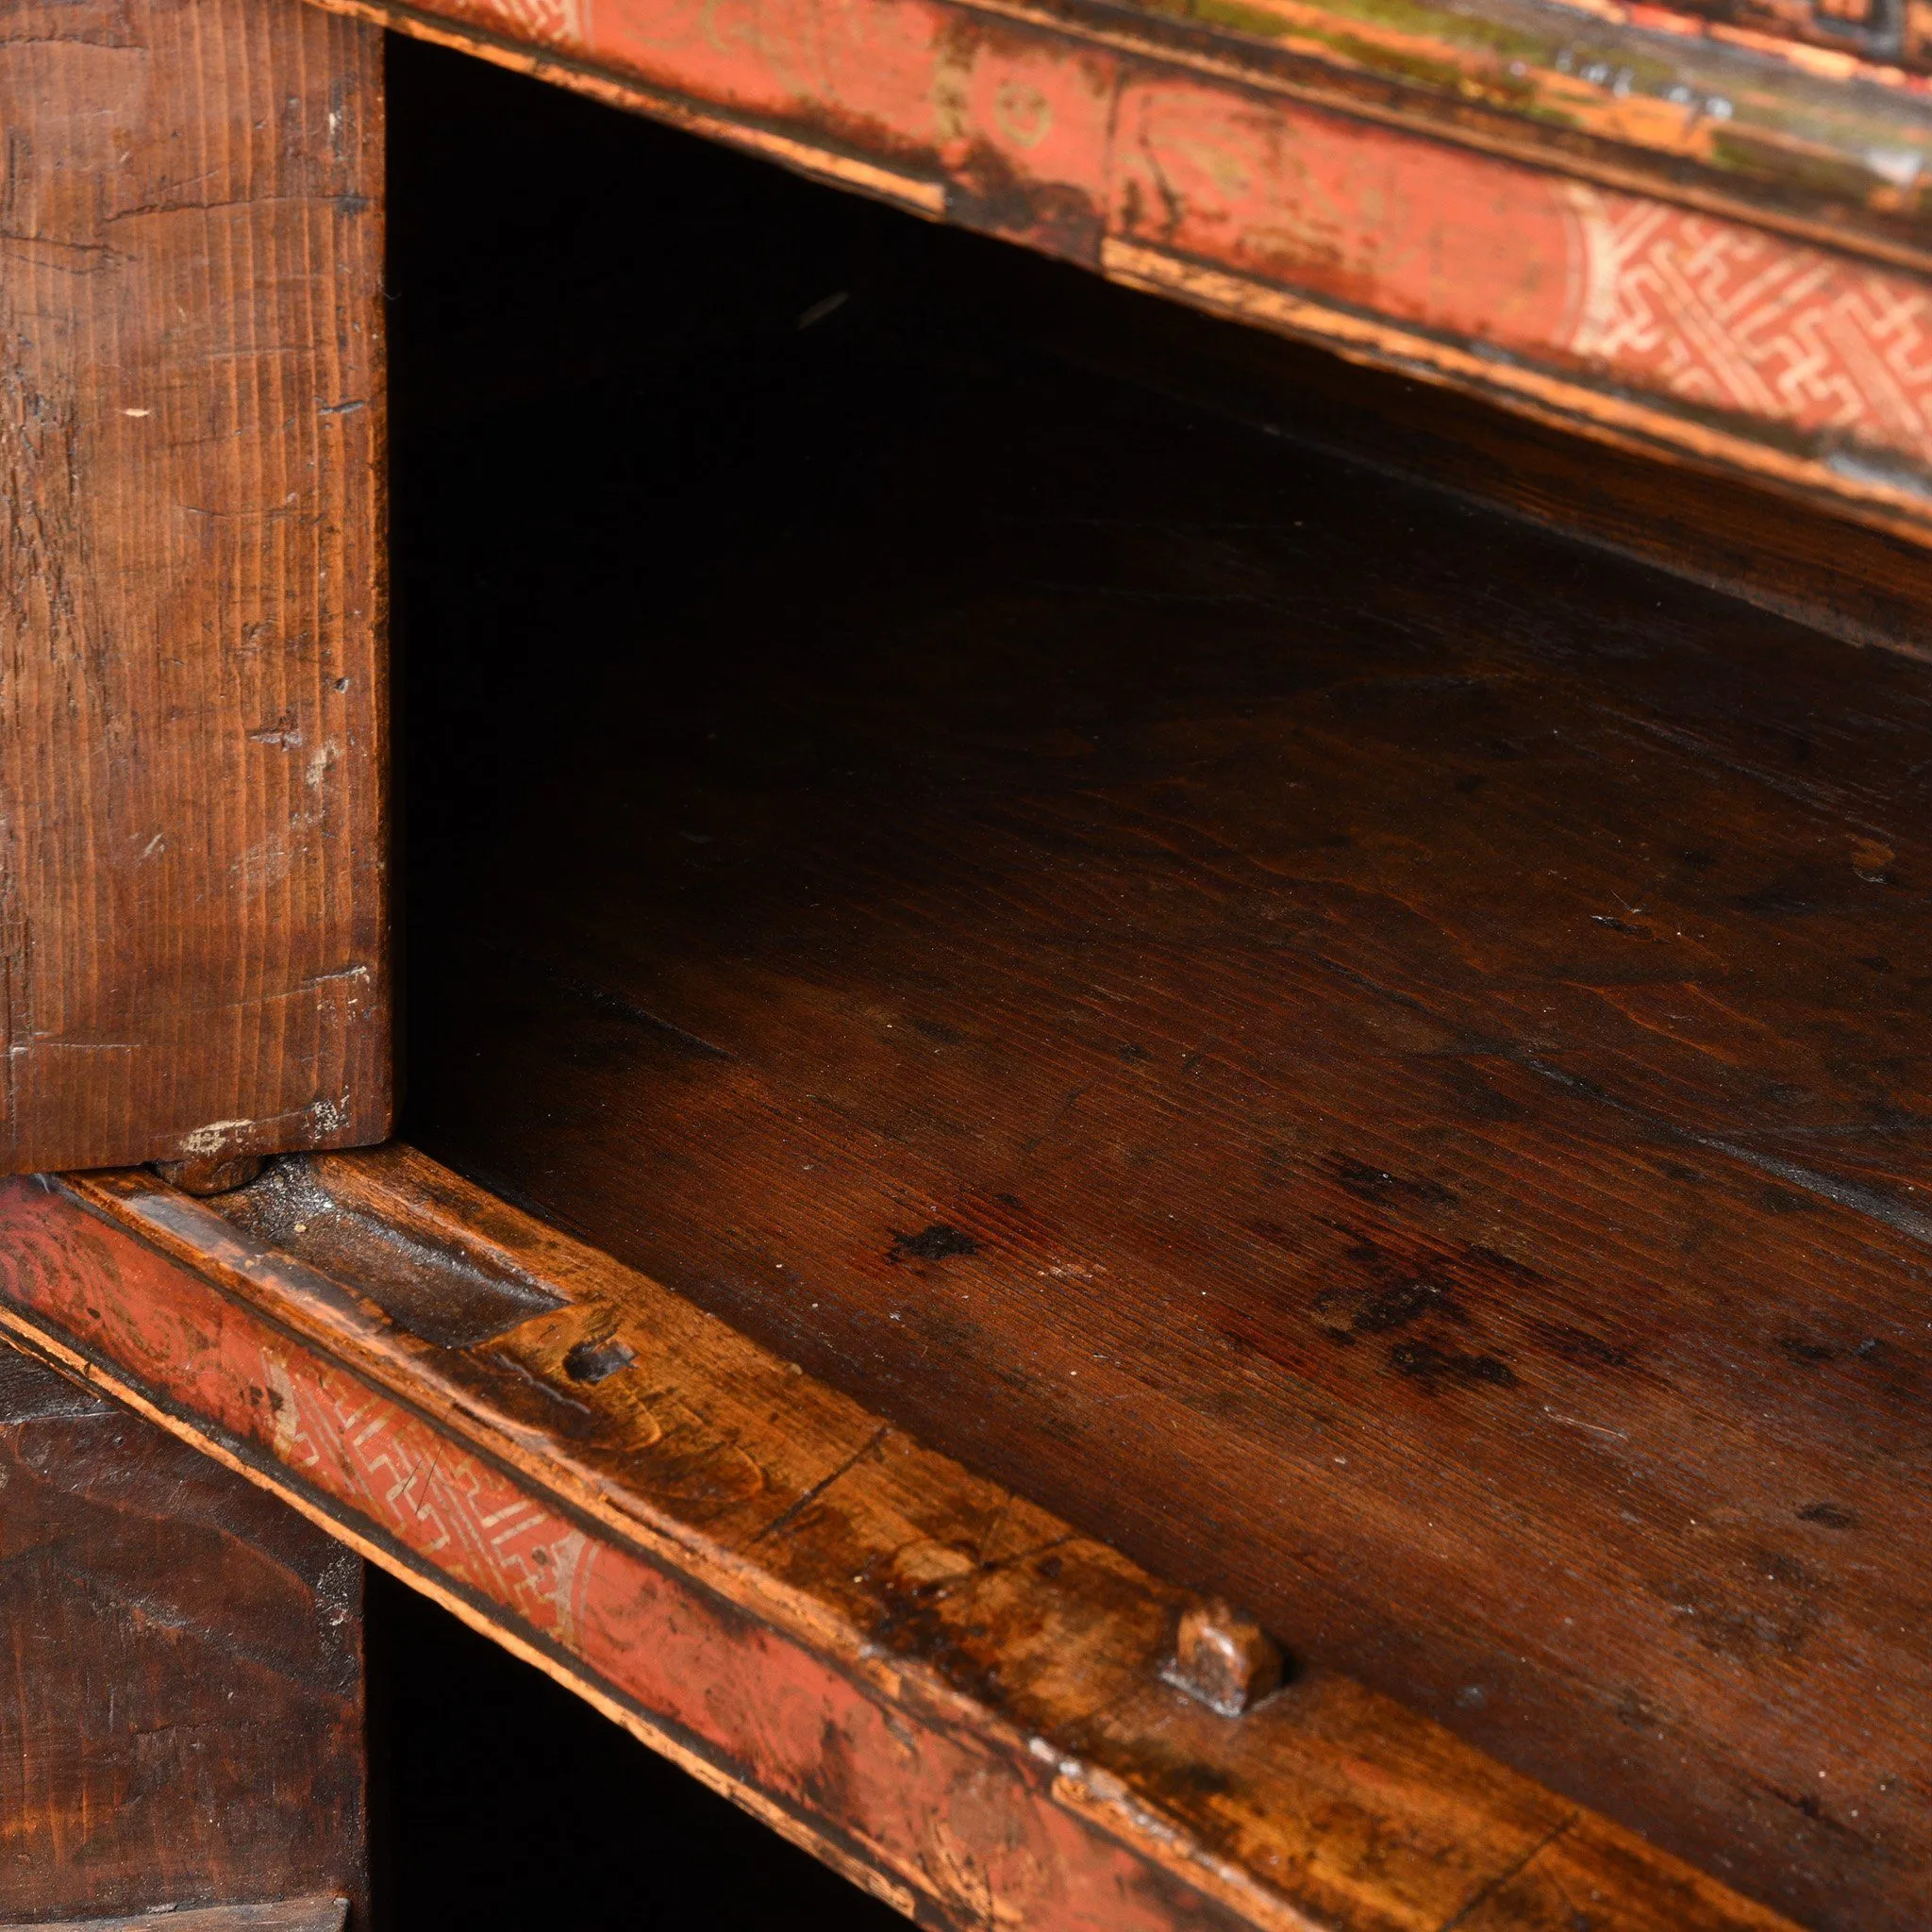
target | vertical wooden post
x=193, y=947
x=182, y=1712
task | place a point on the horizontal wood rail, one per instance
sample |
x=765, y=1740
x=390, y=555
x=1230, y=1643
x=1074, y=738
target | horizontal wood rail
x=941, y=1689
x=1634, y=229
x=283, y=1915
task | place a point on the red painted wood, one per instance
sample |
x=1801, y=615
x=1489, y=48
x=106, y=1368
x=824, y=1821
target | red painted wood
x=1629, y=315
x=765, y=1713
x=1001, y=1753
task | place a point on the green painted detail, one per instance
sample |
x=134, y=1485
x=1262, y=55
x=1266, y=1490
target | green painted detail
x=1739, y=113
x=1404, y=16
x=1444, y=72
x=1824, y=173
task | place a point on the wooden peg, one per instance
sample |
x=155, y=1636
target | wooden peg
x=211, y=1173
x=1223, y=1657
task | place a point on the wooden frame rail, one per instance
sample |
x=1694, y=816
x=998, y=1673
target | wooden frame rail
x=1687, y=239
x=941, y=1689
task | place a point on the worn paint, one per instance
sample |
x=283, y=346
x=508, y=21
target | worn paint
x=1669, y=80
x=1720, y=323
x=947, y=1819
x=1197, y=171
x=925, y=1680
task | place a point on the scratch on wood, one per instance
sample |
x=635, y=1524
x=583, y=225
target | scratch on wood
x=786, y=1517
x=1880, y=1206
x=1488, y=1892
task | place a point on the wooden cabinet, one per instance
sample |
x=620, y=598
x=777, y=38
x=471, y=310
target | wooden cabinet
x=1165, y=1154
x=1695, y=230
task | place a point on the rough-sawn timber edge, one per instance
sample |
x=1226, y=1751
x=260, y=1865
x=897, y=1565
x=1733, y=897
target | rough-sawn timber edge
x=943, y=1691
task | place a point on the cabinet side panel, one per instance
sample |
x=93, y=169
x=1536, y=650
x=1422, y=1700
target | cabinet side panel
x=193, y=944
x=181, y=1714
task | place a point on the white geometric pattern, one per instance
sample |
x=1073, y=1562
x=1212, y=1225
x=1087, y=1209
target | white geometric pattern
x=1733, y=319
x=434, y=1499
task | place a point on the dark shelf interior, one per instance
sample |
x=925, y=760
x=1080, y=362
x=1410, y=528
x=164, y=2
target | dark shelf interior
x=502, y=1801
x=1368, y=1052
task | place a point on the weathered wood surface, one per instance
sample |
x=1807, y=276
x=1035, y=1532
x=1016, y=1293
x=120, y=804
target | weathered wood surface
x=192, y=916
x=180, y=1680
x=1374, y=1058
x=1869, y=38
x=287, y=1915
x=1664, y=241
x=935, y=1684
x=1672, y=78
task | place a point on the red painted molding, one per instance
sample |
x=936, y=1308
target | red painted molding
x=1682, y=323
x=938, y=1687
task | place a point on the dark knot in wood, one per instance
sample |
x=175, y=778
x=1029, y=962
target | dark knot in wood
x=1223, y=1658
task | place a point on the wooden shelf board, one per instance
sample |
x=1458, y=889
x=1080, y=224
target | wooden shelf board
x=1372, y=1057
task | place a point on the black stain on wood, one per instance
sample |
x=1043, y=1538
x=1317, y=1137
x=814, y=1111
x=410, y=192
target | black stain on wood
x=1368, y=1183
x=1830, y=1515
x=1434, y=1368
x=939, y=1242
x=1768, y=1607
x=1580, y=1348
x=1397, y=1307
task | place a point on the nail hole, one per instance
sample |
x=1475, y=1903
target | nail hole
x=591, y=1361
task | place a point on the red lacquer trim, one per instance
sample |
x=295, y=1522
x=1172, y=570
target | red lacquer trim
x=936, y=1814
x=1635, y=317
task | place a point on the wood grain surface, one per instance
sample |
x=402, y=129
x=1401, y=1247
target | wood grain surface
x=939, y=1688
x=1369, y=1055
x=193, y=918
x=180, y=1680
x=289, y=1915
x=1576, y=220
